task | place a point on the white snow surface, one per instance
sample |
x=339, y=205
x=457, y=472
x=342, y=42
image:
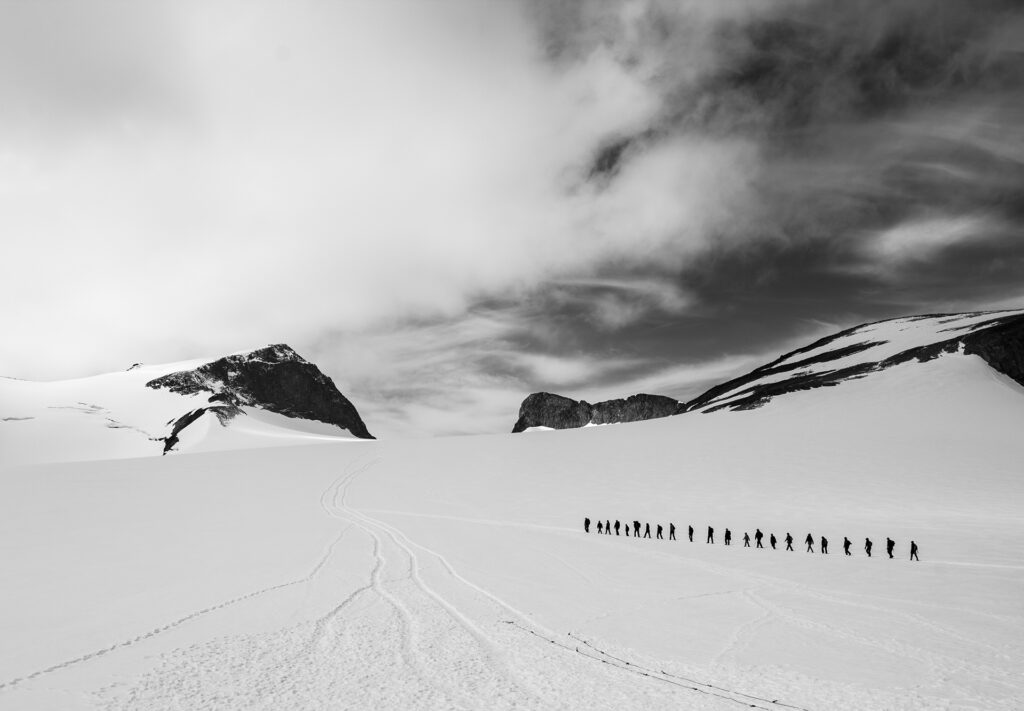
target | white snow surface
x=455, y=574
x=890, y=338
x=115, y=415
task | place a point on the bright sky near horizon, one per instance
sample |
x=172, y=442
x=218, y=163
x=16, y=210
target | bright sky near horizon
x=448, y=205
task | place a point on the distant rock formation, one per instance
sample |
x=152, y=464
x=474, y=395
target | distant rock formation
x=557, y=412
x=275, y=378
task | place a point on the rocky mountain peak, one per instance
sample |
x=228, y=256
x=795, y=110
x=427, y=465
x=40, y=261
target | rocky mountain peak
x=274, y=378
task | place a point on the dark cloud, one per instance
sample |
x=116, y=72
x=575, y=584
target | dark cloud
x=838, y=61
x=891, y=154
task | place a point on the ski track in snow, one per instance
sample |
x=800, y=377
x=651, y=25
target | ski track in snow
x=176, y=623
x=397, y=640
x=942, y=666
x=524, y=622
x=393, y=641
x=492, y=653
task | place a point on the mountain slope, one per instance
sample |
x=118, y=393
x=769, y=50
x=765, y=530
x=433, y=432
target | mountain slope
x=997, y=337
x=259, y=398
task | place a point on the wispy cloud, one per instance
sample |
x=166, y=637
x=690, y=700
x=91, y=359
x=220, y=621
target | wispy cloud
x=923, y=239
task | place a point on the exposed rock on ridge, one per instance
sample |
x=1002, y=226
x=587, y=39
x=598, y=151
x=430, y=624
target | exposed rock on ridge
x=557, y=412
x=275, y=378
x=224, y=413
x=999, y=342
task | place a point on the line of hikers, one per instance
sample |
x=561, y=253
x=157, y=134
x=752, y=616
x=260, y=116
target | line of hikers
x=605, y=527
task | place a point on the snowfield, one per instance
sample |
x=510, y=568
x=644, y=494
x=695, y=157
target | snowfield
x=455, y=573
x=115, y=415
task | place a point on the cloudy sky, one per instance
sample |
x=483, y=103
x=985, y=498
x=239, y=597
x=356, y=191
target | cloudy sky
x=449, y=205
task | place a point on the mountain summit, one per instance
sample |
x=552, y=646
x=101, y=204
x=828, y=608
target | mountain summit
x=264, y=397
x=275, y=378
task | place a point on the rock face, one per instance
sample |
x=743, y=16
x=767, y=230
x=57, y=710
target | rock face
x=557, y=412
x=224, y=413
x=275, y=378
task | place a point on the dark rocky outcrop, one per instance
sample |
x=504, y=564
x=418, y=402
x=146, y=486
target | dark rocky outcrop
x=224, y=413
x=633, y=409
x=558, y=412
x=275, y=378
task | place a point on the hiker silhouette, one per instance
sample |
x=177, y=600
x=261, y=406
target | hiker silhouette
x=758, y=536
x=616, y=527
x=889, y=545
x=810, y=543
x=913, y=552
x=586, y=525
x=607, y=528
x=772, y=540
x=659, y=533
x=600, y=527
x=728, y=537
x=867, y=546
x=846, y=546
x=824, y=545
x=789, y=541
x=691, y=534
x=746, y=540
x=627, y=529
x=671, y=531
x=636, y=529
x=711, y=535
x=647, y=530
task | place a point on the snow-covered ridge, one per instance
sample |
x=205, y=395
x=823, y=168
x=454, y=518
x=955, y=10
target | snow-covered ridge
x=263, y=397
x=997, y=337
